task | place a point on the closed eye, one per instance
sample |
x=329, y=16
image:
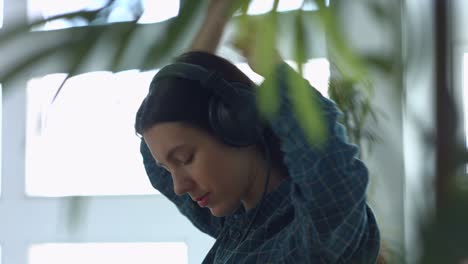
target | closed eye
x=188, y=160
x=164, y=167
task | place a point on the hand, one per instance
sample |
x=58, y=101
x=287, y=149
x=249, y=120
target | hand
x=217, y=15
x=223, y=6
x=248, y=41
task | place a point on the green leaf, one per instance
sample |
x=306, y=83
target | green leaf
x=124, y=38
x=243, y=21
x=381, y=62
x=176, y=28
x=79, y=55
x=379, y=10
x=352, y=66
x=307, y=110
x=13, y=31
x=305, y=103
x=268, y=98
x=76, y=210
x=123, y=41
x=243, y=5
x=300, y=40
x=275, y=6
x=265, y=57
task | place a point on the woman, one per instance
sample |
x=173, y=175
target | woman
x=257, y=186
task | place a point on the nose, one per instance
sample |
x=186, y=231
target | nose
x=182, y=183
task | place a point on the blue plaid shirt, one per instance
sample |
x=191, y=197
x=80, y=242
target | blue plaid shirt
x=317, y=215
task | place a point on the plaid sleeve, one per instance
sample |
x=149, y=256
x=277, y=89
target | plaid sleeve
x=329, y=183
x=162, y=181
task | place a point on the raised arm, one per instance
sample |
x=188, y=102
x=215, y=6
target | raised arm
x=207, y=39
x=330, y=182
x=210, y=33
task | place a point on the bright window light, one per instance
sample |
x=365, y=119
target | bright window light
x=289, y=5
x=463, y=181
x=311, y=5
x=115, y=253
x=465, y=93
x=316, y=71
x=84, y=143
x=1, y=13
x=153, y=11
x=258, y=7
x=1, y=140
x=245, y=68
x=159, y=10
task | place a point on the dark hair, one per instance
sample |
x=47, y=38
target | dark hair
x=162, y=102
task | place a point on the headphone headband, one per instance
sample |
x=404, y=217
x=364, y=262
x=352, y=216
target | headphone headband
x=208, y=79
x=232, y=111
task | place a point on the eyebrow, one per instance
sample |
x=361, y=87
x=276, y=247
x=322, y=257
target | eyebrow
x=171, y=153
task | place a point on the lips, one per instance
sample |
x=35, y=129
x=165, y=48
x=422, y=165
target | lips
x=200, y=197
x=203, y=200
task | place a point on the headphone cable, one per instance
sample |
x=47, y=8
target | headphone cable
x=268, y=174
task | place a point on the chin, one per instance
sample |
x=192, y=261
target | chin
x=221, y=211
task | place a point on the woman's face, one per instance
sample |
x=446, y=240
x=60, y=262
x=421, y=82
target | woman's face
x=201, y=166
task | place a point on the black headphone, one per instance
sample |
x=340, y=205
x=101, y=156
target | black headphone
x=232, y=108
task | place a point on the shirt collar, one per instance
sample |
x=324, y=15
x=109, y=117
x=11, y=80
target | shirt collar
x=272, y=202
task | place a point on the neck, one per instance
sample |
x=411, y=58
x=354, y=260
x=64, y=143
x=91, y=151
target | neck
x=257, y=183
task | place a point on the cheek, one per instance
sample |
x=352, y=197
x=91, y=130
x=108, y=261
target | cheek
x=226, y=173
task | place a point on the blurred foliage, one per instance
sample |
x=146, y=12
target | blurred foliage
x=358, y=110
x=446, y=238
x=78, y=46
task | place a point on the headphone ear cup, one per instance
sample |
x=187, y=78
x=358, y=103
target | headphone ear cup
x=239, y=124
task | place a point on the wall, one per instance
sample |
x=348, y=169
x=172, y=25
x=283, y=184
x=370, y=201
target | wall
x=371, y=35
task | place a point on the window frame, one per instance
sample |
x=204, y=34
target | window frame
x=459, y=85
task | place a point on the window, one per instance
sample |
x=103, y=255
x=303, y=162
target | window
x=263, y=6
x=463, y=181
x=465, y=92
x=1, y=13
x=316, y=71
x=116, y=253
x=152, y=11
x=1, y=139
x=85, y=142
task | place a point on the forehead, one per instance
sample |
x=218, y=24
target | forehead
x=162, y=137
x=169, y=130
